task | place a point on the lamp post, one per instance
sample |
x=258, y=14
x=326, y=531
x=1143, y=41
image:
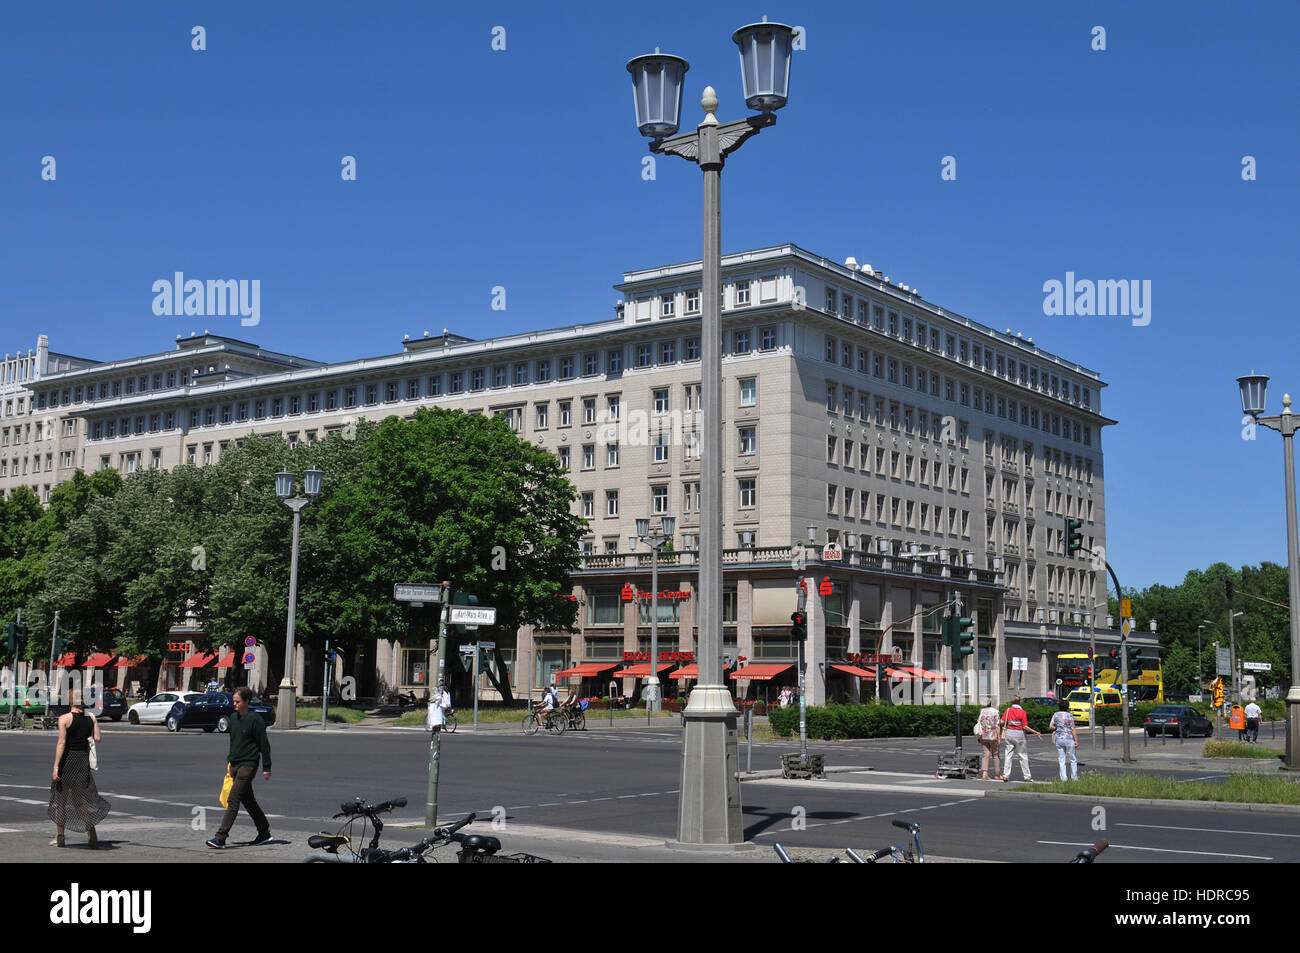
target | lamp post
x=709, y=811
x=286, y=703
x=1254, y=389
x=656, y=540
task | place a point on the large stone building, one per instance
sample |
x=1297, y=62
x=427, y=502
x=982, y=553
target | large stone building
x=940, y=456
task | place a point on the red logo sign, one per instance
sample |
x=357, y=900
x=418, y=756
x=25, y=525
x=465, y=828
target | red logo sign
x=825, y=587
x=630, y=594
x=663, y=656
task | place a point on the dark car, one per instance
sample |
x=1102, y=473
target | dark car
x=1038, y=700
x=212, y=711
x=114, y=703
x=1178, y=719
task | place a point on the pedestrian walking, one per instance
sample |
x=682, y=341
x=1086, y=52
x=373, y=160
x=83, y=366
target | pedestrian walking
x=74, y=799
x=1067, y=740
x=248, y=744
x=986, y=728
x=1253, y=713
x=1015, y=722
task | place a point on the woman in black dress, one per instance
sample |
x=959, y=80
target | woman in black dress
x=74, y=799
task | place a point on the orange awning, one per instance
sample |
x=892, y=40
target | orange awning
x=98, y=660
x=761, y=673
x=228, y=661
x=854, y=670
x=687, y=671
x=916, y=672
x=900, y=674
x=125, y=662
x=198, y=660
x=66, y=661
x=640, y=671
x=586, y=670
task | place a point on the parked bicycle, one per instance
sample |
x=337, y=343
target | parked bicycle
x=1089, y=855
x=898, y=855
x=557, y=723
x=338, y=848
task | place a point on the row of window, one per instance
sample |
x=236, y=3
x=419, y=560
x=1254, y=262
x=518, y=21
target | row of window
x=849, y=503
x=743, y=292
x=1071, y=466
x=746, y=499
x=22, y=433
x=932, y=339
x=845, y=453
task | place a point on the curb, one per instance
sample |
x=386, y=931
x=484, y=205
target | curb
x=1230, y=806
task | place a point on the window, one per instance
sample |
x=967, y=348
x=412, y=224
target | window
x=832, y=300
x=831, y=443
x=693, y=301
x=390, y=388
x=566, y=368
x=589, y=410
x=742, y=293
x=566, y=413
x=667, y=305
x=659, y=499
x=615, y=407
x=588, y=505
x=332, y=398
x=831, y=350
x=543, y=371
x=692, y=349
x=832, y=397
x=767, y=339
x=313, y=399
x=661, y=401
x=742, y=343
x=611, y=502
x=692, y=500
x=591, y=364
x=668, y=352
x=748, y=439
x=643, y=355
x=475, y=381
x=564, y=459
x=521, y=374
x=748, y=392
x=661, y=448
x=349, y=398
x=589, y=456
x=748, y=493
x=893, y=322
x=832, y=495
x=611, y=455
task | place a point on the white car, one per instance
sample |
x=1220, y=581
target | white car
x=154, y=711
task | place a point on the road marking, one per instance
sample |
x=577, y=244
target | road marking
x=551, y=804
x=624, y=797
x=1208, y=777
x=1208, y=830
x=1159, y=850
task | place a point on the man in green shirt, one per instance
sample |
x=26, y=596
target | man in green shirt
x=248, y=744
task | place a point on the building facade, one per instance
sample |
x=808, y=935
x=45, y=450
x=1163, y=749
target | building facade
x=940, y=457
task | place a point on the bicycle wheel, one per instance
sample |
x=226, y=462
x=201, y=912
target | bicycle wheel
x=449, y=722
x=578, y=722
x=559, y=722
x=531, y=725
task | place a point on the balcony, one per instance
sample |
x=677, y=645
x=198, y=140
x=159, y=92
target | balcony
x=1009, y=507
x=1010, y=466
x=1011, y=549
x=988, y=460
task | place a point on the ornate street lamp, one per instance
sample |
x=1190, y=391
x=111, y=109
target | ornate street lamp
x=286, y=715
x=1254, y=392
x=710, y=812
x=656, y=540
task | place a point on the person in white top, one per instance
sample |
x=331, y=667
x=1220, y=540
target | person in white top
x=1253, y=713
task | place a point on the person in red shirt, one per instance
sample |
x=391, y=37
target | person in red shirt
x=1015, y=722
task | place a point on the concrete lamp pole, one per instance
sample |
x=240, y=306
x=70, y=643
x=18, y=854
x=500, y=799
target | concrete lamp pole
x=1254, y=388
x=286, y=715
x=709, y=814
x=656, y=541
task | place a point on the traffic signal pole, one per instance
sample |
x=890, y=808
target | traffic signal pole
x=435, y=741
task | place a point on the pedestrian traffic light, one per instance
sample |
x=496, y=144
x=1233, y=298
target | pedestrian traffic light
x=1227, y=587
x=957, y=637
x=1134, y=660
x=798, y=626
x=60, y=646
x=1073, y=538
x=11, y=639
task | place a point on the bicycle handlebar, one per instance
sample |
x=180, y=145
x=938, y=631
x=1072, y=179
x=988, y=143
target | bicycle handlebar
x=1089, y=855
x=358, y=806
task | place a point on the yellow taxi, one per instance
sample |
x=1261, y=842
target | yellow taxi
x=1080, y=708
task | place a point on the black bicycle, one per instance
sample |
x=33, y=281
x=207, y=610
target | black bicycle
x=899, y=855
x=338, y=848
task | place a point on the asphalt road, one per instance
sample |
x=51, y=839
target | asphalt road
x=625, y=782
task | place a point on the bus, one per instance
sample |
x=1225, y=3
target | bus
x=1147, y=687
x=1074, y=671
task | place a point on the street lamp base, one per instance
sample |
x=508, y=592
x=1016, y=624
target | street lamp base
x=709, y=814
x=1293, y=731
x=286, y=707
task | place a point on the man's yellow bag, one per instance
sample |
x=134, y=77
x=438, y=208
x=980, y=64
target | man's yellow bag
x=226, y=785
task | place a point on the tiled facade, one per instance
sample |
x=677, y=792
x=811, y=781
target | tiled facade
x=853, y=407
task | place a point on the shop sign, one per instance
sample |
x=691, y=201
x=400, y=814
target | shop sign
x=177, y=646
x=663, y=656
x=858, y=658
x=631, y=593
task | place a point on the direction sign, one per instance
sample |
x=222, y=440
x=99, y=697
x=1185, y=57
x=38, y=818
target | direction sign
x=1224, y=662
x=473, y=615
x=487, y=645
x=415, y=592
x=1257, y=666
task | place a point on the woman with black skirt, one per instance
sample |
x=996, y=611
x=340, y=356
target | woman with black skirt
x=74, y=799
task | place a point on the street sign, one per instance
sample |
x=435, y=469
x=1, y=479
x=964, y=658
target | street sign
x=250, y=642
x=249, y=658
x=831, y=553
x=487, y=645
x=1224, y=662
x=1126, y=627
x=1019, y=664
x=473, y=615
x=415, y=592
x=1257, y=666
x=249, y=667
x=1126, y=608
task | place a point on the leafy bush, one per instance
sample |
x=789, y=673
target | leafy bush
x=833, y=722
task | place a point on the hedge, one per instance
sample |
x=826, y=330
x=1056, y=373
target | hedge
x=871, y=720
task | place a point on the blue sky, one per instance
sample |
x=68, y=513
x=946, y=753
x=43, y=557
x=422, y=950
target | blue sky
x=522, y=168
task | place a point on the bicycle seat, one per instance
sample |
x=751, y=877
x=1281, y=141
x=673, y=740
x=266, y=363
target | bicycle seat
x=489, y=845
x=326, y=841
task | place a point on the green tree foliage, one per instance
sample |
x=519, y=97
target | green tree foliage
x=1179, y=667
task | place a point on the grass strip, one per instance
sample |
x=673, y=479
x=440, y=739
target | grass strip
x=465, y=716
x=1237, y=749
x=348, y=716
x=1240, y=787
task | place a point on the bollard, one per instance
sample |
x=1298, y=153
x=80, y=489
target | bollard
x=1103, y=737
x=1163, y=735
x=1145, y=738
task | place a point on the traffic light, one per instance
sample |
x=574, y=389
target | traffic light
x=461, y=599
x=1227, y=587
x=1134, y=661
x=15, y=635
x=1073, y=538
x=798, y=626
x=956, y=636
x=60, y=646
x=1114, y=658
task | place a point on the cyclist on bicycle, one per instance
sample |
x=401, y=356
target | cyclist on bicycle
x=550, y=701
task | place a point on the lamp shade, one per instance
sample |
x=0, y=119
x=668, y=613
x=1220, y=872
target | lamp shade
x=970, y=558
x=1254, y=390
x=851, y=539
x=631, y=544
x=1041, y=615
x=668, y=524
x=882, y=545
x=643, y=526
x=311, y=481
x=765, y=53
x=747, y=538
x=657, y=93
x=913, y=549
x=284, y=484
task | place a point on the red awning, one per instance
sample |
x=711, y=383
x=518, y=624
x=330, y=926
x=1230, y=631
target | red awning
x=198, y=660
x=686, y=671
x=125, y=662
x=639, y=671
x=760, y=673
x=228, y=661
x=900, y=674
x=854, y=670
x=586, y=669
x=98, y=660
x=916, y=672
x=66, y=661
